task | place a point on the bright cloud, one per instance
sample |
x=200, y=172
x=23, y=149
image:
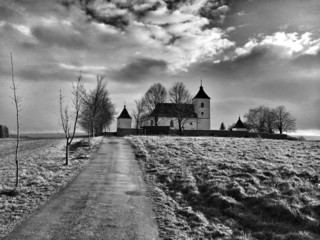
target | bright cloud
x=288, y=45
x=23, y=29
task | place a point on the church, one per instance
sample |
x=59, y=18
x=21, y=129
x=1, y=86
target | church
x=194, y=116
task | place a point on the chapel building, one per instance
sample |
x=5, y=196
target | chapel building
x=195, y=116
x=124, y=120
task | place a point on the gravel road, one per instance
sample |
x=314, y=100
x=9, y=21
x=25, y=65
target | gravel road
x=107, y=200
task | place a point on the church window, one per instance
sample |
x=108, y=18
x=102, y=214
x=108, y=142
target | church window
x=202, y=113
x=151, y=122
x=202, y=105
x=171, y=123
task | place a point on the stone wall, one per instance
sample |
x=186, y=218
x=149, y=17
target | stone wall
x=128, y=131
x=213, y=133
x=219, y=133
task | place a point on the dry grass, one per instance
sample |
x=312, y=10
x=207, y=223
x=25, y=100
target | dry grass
x=228, y=188
x=42, y=174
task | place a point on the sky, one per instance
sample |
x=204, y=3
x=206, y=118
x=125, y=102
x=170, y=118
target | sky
x=248, y=53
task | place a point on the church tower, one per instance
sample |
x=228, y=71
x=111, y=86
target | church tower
x=201, y=104
x=124, y=120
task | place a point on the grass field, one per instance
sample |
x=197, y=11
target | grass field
x=42, y=173
x=228, y=188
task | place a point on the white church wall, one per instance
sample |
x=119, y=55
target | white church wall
x=204, y=124
x=188, y=124
x=202, y=109
x=202, y=112
x=124, y=123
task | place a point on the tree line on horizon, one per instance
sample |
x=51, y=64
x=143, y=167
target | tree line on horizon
x=263, y=119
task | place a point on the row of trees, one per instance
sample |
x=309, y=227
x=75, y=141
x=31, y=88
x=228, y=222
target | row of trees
x=92, y=110
x=263, y=119
x=156, y=94
x=270, y=120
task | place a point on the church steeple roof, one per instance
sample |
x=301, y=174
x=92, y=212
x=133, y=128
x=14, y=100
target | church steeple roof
x=201, y=93
x=124, y=113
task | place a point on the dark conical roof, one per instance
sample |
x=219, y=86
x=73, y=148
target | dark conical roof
x=124, y=113
x=201, y=94
x=239, y=124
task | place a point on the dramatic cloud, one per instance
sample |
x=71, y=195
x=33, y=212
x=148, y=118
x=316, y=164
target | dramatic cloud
x=175, y=30
x=247, y=52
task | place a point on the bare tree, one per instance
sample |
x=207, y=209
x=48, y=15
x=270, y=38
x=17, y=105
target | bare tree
x=270, y=120
x=69, y=120
x=284, y=121
x=181, y=97
x=264, y=119
x=139, y=114
x=156, y=94
x=98, y=111
x=256, y=118
x=17, y=102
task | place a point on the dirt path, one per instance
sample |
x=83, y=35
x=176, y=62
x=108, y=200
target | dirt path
x=107, y=200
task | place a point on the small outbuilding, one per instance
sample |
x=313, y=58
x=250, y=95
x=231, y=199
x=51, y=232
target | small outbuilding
x=239, y=126
x=124, y=120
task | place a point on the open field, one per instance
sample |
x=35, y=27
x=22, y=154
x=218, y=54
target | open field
x=42, y=174
x=228, y=188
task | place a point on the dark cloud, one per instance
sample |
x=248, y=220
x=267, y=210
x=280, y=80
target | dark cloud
x=8, y=13
x=106, y=12
x=140, y=70
x=140, y=12
x=59, y=36
x=119, y=21
x=118, y=13
x=45, y=73
x=175, y=4
x=17, y=10
x=250, y=66
x=215, y=11
x=68, y=3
